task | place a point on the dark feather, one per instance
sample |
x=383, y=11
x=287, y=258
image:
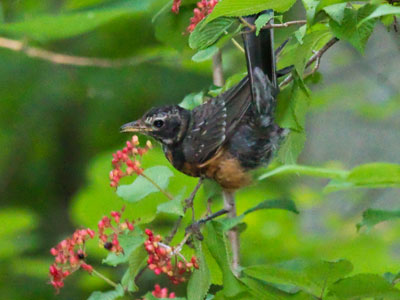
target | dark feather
x=214, y=122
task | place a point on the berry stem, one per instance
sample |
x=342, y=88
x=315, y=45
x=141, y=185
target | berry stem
x=168, y=195
x=106, y=279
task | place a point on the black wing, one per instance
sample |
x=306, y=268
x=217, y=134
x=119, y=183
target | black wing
x=213, y=122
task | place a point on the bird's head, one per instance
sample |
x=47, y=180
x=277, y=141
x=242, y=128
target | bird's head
x=166, y=124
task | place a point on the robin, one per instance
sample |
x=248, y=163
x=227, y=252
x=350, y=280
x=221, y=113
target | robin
x=229, y=135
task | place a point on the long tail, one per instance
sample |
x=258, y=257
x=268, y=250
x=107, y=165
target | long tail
x=261, y=67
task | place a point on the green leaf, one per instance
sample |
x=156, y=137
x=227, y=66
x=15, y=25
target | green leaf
x=235, y=8
x=391, y=278
x=291, y=147
x=137, y=261
x=311, y=9
x=351, y=29
x=305, y=170
x=375, y=174
x=382, y=10
x=264, y=291
x=372, y=175
x=262, y=21
x=51, y=27
x=336, y=12
x=141, y=187
x=371, y=217
x=129, y=241
x=215, y=241
x=192, y=100
x=205, y=54
x=200, y=280
x=205, y=35
x=284, y=204
x=364, y=286
x=311, y=276
x=109, y=295
x=173, y=207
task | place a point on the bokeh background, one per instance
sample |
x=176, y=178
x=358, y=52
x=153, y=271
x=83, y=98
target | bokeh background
x=59, y=125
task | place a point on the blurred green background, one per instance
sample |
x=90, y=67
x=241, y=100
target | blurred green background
x=59, y=125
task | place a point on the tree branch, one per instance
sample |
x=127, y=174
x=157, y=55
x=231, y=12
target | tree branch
x=218, y=75
x=78, y=61
x=315, y=58
x=188, y=204
x=233, y=234
x=286, y=24
x=273, y=25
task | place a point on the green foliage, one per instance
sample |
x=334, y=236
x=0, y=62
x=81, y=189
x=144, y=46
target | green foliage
x=234, y=8
x=262, y=21
x=174, y=207
x=205, y=54
x=371, y=217
x=63, y=26
x=206, y=34
x=200, y=281
x=215, y=240
x=141, y=187
x=312, y=277
x=110, y=295
x=50, y=107
x=130, y=242
x=363, y=286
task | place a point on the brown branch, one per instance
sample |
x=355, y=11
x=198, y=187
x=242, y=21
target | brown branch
x=273, y=25
x=233, y=234
x=218, y=75
x=64, y=59
x=188, y=204
x=315, y=58
x=284, y=25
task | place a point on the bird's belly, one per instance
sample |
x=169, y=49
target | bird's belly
x=223, y=168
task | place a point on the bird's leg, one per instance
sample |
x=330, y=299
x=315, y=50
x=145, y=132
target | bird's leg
x=233, y=234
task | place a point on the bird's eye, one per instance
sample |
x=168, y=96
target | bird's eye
x=158, y=123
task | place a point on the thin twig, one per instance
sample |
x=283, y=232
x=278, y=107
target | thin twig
x=315, y=58
x=188, y=204
x=108, y=280
x=218, y=76
x=273, y=25
x=286, y=24
x=233, y=234
x=168, y=195
x=237, y=45
x=78, y=61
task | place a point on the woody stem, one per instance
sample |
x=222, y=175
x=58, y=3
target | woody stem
x=229, y=197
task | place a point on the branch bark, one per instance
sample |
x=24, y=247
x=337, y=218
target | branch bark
x=78, y=61
x=315, y=58
x=218, y=75
x=229, y=197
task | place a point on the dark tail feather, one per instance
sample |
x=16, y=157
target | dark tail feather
x=260, y=56
x=260, y=51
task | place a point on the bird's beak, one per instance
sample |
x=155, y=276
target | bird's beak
x=135, y=126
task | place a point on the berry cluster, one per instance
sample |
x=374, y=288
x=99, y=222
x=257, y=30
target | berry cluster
x=69, y=256
x=162, y=292
x=175, y=6
x=160, y=259
x=110, y=241
x=128, y=157
x=203, y=9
